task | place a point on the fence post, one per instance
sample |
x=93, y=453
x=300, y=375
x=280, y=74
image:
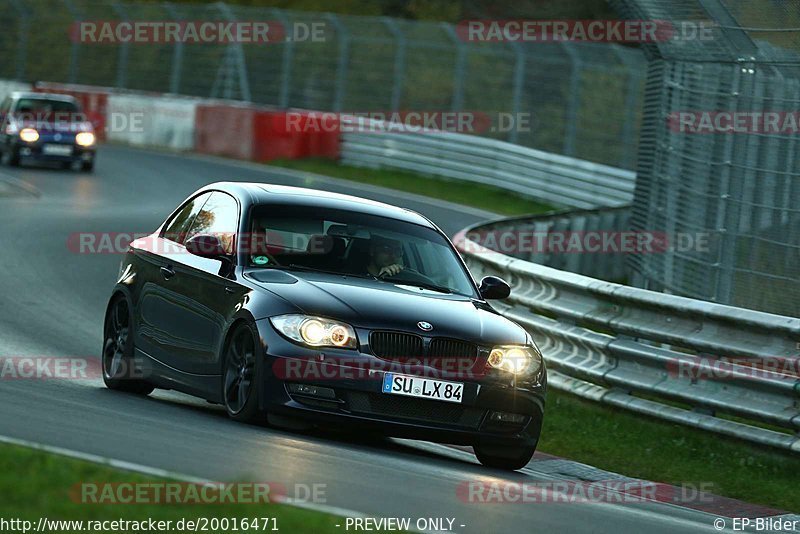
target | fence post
x=399, y=62
x=341, y=63
x=571, y=126
x=72, y=77
x=728, y=218
x=234, y=54
x=177, y=54
x=631, y=104
x=458, y=72
x=519, y=85
x=286, y=58
x=22, y=40
x=122, y=59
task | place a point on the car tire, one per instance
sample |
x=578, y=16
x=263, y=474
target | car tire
x=507, y=458
x=87, y=166
x=11, y=157
x=240, y=371
x=117, y=360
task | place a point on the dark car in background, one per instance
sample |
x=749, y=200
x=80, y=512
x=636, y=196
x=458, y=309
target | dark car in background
x=46, y=127
x=295, y=305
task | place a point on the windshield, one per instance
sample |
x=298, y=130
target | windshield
x=355, y=244
x=43, y=105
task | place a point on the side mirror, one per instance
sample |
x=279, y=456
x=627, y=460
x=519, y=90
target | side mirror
x=493, y=287
x=206, y=246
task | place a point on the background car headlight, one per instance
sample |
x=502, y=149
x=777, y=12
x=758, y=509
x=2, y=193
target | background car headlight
x=29, y=135
x=85, y=139
x=516, y=359
x=315, y=331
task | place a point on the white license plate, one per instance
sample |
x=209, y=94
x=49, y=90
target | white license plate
x=415, y=386
x=57, y=150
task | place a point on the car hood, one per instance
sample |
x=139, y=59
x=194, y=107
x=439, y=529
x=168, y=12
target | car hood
x=371, y=304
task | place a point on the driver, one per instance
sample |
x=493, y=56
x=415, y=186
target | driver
x=385, y=256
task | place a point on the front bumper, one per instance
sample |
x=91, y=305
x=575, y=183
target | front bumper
x=36, y=151
x=353, y=396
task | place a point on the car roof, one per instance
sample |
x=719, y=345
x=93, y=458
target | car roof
x=273, y=194
x=16, y=95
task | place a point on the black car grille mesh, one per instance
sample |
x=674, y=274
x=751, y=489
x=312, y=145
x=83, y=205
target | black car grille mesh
x=421, y=410
x=452, y=348
x=396, y=345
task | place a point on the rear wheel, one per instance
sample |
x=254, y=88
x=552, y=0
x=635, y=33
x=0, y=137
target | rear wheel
x=119, y=369
x=240, y=385
x=509, y=458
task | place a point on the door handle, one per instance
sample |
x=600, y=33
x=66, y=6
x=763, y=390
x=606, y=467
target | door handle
x=167, y=272
x=230, y=290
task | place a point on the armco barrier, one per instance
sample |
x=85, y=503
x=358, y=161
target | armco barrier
x=157, y=121
x=697, y=363
x=560, y=180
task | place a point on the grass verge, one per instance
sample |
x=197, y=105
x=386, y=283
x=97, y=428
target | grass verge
x=627, y=443
x=466, y=193
x=36, y=484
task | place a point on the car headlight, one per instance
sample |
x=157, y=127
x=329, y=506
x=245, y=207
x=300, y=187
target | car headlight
x=516, y=359
x=85, y=138
x=29, y=135
x=315, y=331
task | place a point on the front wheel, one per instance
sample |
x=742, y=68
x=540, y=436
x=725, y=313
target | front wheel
x=508, y=458
x=119, y=368
x=10, y=157
x=240, y=385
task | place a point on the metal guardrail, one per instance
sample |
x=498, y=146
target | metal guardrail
x=654, y=353
x=557, y=179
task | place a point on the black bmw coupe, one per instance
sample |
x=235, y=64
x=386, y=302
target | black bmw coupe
x=303, y=307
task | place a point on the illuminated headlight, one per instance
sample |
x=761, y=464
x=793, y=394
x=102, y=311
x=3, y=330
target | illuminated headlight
x=516, y=359
x=29, y=135
x=85, y=139
x=315, y=331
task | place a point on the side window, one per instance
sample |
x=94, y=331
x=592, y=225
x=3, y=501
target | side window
x=176, y=229
x=219, y=217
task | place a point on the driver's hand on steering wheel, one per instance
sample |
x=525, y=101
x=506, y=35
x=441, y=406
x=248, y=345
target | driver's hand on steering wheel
x=390, y=270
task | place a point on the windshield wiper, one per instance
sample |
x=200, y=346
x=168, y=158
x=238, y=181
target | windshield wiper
x=424, y=285
x=296, y=267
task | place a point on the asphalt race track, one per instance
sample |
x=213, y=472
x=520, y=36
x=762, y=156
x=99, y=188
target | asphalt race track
x=52, y=302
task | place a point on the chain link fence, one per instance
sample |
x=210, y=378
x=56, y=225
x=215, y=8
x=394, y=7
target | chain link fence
x=581, y=100
x=718, y=161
